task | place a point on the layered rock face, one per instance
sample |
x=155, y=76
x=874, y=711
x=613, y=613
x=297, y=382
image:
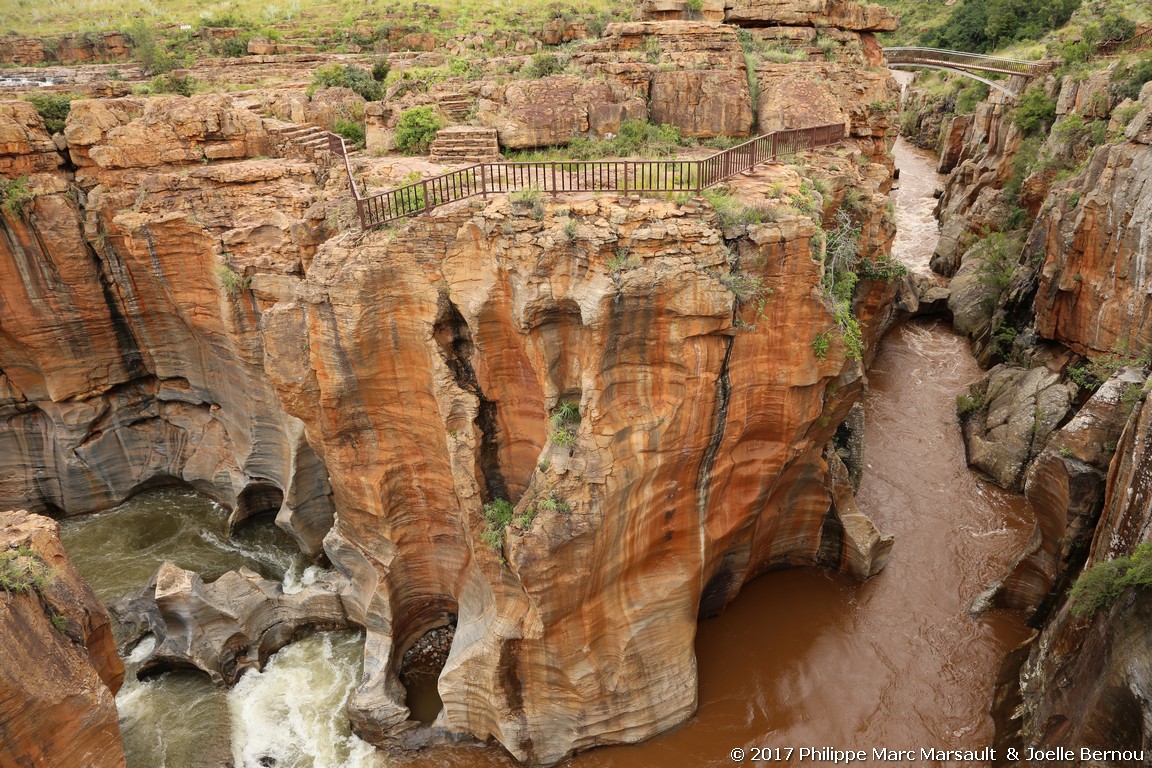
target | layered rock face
x=638, y=384
x=141, y=286
x=843, y=14
x=1097, y=241
x=677, y=482
x=67, y=49
x=59, y=671
x=1087, y=681
x=691, y=73
x=1073, y=287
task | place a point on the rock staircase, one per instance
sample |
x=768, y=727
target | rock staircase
x=456, y=105
x=465, y=144
x=303, y=141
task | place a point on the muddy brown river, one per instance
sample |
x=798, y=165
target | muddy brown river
x=802, y=658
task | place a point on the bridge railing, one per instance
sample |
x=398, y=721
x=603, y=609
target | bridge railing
x=962, y=60
x=624, y=176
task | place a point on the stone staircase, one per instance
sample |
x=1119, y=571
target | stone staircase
x=464, y=144
x=303, y=141
x=456, y=105
x=308, y=141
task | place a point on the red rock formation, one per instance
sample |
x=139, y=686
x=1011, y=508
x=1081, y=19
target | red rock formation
x=404, y=378
x=1086, y=681
x=59, y=671
x=843, y=14
x=1096, y=272
x=692, y=73
x=68, y=49
x=159, y=382
x=688, y=473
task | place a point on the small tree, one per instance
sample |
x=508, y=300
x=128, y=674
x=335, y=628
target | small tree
x=416, y=130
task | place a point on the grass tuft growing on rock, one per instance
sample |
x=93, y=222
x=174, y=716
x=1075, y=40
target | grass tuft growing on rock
x=22, y=570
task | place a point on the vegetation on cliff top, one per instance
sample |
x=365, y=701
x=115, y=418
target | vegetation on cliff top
x=1102, y=584
x=329, y=22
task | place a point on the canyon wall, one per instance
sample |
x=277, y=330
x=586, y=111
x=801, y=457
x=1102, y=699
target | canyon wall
x=59, y=671
x=640, y=383
x=1046, y=238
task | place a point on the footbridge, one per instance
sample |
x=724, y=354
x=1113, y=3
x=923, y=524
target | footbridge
x=973, y=65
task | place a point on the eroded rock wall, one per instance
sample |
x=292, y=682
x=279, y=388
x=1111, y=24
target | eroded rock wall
x=130, y=354
x=1072, y=290
x=388, y=385
x=59, y=671
x=697, y=460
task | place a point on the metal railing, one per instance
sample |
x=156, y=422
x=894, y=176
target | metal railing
x=626, y=176
x=1134, y=43
x=961, y=60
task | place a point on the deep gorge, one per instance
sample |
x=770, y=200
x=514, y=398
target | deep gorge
x=543, y=442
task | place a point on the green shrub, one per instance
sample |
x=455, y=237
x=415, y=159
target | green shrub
x=1094, y=371
x=221, y=19
x=234, y=47
x=1035, y=112
x=232, y=280
x=1074, y=130
x=821, y=344
x=380, y=69
x=1100, y=585
x=970, y=94
x=22, y=570
x=53, y=107
x=498, y=513
x=566, y=413
x=14, y=194
x=152, y=53
x=181, y=85
x=733, y=211
x=347, y=76
x=544, y=64
x=1124, y=114
x=351, y=130
x=1127, y=81
x=999, y=255
x=745, y=287
x=981, y=26
x=416, y=130
x=969, y=404
x=885, y=268
x=1115, y=27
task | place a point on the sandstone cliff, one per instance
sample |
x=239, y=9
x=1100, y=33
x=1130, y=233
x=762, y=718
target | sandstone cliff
x=1061, y=302
x=59, y=671
x=640, y=384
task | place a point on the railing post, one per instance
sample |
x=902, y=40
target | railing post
x=360, y=213
x=553, y=182
x=699, y=176
x=427, y=197
x=625, y=178
x=483, y=181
